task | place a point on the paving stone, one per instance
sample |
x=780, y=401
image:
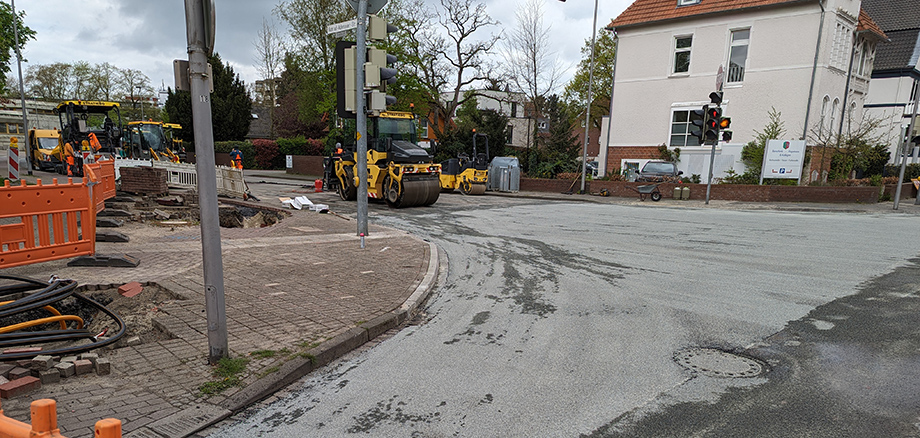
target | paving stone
x=130, y=289
x=66, y=369
x=20, y=386
x=92, y=357
x=5, y=369
x=18, y=372
x=22, y=350
x=83, y=366
x=49, y=376
x=42, y=363
x=70, y=359
x=103, y=367
x=4, y=380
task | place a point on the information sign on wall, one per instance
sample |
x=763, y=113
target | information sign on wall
x=783, y=159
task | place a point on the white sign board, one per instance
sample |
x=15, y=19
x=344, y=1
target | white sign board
x=289, y=161
x=783, y=159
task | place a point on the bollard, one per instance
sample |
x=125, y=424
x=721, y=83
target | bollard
x=362, y=240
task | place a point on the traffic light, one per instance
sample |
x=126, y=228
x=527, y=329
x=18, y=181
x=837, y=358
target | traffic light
x=345, y=87
x=711, y=124
x=377, y=74
x=697, y=121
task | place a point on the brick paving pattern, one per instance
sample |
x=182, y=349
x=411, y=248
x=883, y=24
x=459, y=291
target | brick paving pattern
x=287, y=288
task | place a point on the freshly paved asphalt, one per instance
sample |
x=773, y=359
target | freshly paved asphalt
x=303, y=287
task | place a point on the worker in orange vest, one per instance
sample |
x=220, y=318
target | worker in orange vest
x=68, y=158
x=237, y=158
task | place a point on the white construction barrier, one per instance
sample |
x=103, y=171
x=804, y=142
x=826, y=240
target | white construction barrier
x=183, y=175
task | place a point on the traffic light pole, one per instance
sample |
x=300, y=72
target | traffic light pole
x=361, y=116
x=212, y=261
x=712, y=160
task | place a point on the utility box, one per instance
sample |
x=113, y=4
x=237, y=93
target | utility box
x=684, y=192
x=504, y=175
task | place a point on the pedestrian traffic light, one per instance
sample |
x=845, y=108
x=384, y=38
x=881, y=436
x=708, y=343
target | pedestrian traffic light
x=711, y=124
x=697, y=122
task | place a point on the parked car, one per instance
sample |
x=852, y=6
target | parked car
x=658, y=171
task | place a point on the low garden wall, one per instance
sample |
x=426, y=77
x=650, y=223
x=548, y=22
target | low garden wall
x=306, y=165
x=728, y=192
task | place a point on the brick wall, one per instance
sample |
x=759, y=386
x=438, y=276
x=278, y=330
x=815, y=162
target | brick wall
x=617, y=153
x=144, y=180
x=728, y=192
x=306, y=165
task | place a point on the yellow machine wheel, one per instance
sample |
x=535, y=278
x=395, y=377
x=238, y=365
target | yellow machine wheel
x=468, y=188
x=411, y=192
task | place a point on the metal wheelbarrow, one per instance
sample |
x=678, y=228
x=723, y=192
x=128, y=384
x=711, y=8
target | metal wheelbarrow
x=650, y=190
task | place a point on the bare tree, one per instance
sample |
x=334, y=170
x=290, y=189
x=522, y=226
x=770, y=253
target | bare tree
x=49, y=81
x=270, y=48
x=135, y=84
x=531, y=67
x=105, y=80
x=308, y=20
x=444, y=66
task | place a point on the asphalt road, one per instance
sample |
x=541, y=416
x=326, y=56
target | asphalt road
x=563, y=319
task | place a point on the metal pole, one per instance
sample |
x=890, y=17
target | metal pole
x=22, y=92
x=902, y=149
x=712, y=160
x=361, y=120
x=584, y=149
x=207, y=182
x=613, y=83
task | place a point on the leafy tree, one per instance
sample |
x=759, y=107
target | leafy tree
x=231, y=109
x=752, y=153
x=576, y=91
x=7, y=39
x=560, y=149
x=459, y=138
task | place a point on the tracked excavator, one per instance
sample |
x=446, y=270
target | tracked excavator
x=470, y=174
x=399, y=171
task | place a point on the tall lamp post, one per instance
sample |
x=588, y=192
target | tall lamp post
x=584, y=149
x=139, y=98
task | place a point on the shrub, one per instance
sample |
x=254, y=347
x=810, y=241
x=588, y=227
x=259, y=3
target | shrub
x=301, y=146
x=267, y=156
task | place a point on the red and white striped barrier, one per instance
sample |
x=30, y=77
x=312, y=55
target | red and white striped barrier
x=14, y=158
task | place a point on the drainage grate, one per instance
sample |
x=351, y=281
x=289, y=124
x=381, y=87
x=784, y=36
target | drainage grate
x=717, y=363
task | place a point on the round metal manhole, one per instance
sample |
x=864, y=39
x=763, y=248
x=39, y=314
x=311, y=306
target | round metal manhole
x=717, y=363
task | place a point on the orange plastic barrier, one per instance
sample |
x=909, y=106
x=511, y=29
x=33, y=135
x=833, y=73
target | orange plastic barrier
x=44, y=424
x=62, y=215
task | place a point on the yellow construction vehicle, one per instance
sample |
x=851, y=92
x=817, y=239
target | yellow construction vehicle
x=147, y=140
x=173, y=141
x=469, y=174
x=80, y=118
x=399, y=171
x=46, y=148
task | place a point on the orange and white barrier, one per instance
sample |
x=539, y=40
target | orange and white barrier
x=14, y=158
x=44, y=424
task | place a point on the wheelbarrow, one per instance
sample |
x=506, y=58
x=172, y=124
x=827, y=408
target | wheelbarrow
x=650, y=190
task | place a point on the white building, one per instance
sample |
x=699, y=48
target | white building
x=895, y=76
x=791, y=55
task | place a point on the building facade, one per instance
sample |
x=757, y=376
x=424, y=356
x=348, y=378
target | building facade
x=789, y=56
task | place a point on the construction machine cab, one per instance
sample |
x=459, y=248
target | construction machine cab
x=80, y=118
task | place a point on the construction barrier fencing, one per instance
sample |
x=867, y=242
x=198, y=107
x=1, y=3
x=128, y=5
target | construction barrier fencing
x=55, y=221
x=183, y=175
x=45, y=425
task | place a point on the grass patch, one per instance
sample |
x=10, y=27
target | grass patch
x=308, y=345
x=263, y=354
x=228, y=370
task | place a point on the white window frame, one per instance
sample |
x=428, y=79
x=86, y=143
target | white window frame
x=671, y=123
x=731, y=45
x=687, y=2
x=675, y=51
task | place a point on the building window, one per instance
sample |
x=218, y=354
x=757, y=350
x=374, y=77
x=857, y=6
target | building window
x=514, y=109
x=687, y=2
x=682, y=53
x=423, y=124
x=510, y=134
x=738, y=53
x=833, y=117
x=914, y=90
x=824, y=104
x=842, y=45
x=680, y=129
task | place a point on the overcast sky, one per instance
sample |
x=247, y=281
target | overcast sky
x=148, y=35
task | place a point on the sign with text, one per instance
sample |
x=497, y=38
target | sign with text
x=783, y=159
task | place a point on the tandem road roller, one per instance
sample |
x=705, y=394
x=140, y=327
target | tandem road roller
x=399, y=171
x=469, y=174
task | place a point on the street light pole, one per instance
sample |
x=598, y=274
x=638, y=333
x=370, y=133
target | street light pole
x=22, y=91
x=584, y=149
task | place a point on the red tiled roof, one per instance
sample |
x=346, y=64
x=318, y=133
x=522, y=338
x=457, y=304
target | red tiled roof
x=866, y=23
x=651, y=11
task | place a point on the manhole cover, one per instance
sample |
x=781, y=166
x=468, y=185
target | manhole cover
x=717, y=363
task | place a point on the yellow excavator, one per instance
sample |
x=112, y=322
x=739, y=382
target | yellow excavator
x=146, y=140
x=399, y=171
x=469, y=174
